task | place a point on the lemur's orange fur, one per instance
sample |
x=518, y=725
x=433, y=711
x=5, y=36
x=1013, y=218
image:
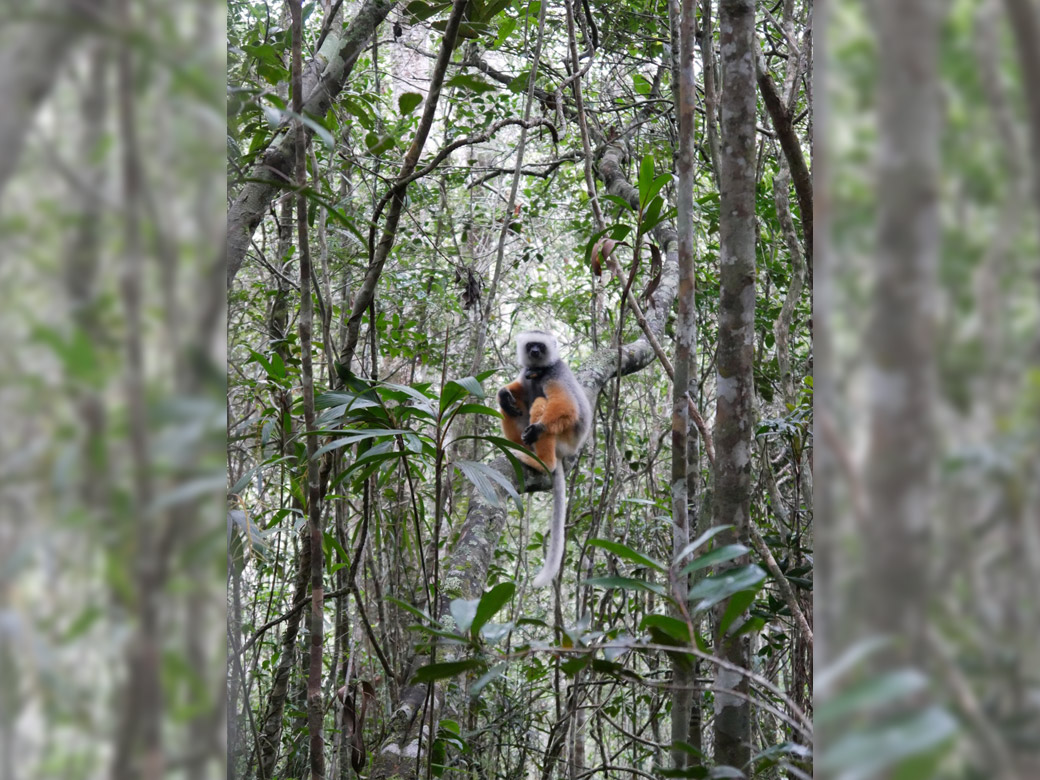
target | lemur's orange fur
x=556, y=411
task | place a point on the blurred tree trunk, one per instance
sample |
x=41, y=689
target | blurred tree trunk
x=900, y=338
x=734, y=421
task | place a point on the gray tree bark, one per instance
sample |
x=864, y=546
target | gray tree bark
x=734, y=417
x=683, y=672
x=901, y=334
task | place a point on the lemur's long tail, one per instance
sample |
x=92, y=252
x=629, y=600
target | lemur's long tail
x=557, y=535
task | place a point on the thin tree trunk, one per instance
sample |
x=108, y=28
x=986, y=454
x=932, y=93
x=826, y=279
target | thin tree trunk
x=315, y=710
x=734, y=420
x=684, y=23
x=271, y=729
x=379, y=253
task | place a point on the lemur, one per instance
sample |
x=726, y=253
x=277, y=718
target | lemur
x=546, y=410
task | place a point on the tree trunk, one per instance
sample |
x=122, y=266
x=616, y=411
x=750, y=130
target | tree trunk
x=683, y=677
x=900, y=337
x=734, y=420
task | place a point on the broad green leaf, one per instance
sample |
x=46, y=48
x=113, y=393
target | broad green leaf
x=470, y=82
x=626, y=583
x=418, y=11
x=478, y=409
x=463, y=611
x=408, y=102
x=460, y=388
x=628, y=554
x=355, y=436
x=704, y=537
x=711, y=590
x=484, y=478
x=672, y=626
x=736, y=607
x=867, y=752
x=718, y=555
x=490, y=675
x=618, y=231
x=873, y=694
x=641, y=85
x=646, y=179
x=421, y=614
x=490, y=603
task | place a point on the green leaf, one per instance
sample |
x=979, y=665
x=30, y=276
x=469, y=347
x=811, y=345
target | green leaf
x=490, y=603
x=411, y=609
x=628, y=554
x=332, y=545
x=736, y=607
x=478, y=409
x=867, y=752
x=463, y=611
x=873, y=694
x=646, y=179
x=505, y=29
x=672, y=626
x=408, y=102
x=418, y=11
x=626, y=583
x=519, y=83
x=641, y=85
x=618, y=200
x=443, y=671
x=651, y=215
x=714, y=589
x=484, y=478
x=459, y=388
x=718, y=555
x=704, y=537
x=377, y=143
x=572, y=666
x=354, y=437
x=618, y=232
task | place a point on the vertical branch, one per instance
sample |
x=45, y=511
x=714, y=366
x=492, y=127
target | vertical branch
x=734, y=422
x=711, y=90
x=378, y=252
x=314, y=668
x=139, y=751
x=684, y=19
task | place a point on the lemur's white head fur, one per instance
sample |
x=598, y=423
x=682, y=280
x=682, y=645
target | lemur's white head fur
x=536, y=348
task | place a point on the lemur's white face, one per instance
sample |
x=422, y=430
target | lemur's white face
x=536, y=348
